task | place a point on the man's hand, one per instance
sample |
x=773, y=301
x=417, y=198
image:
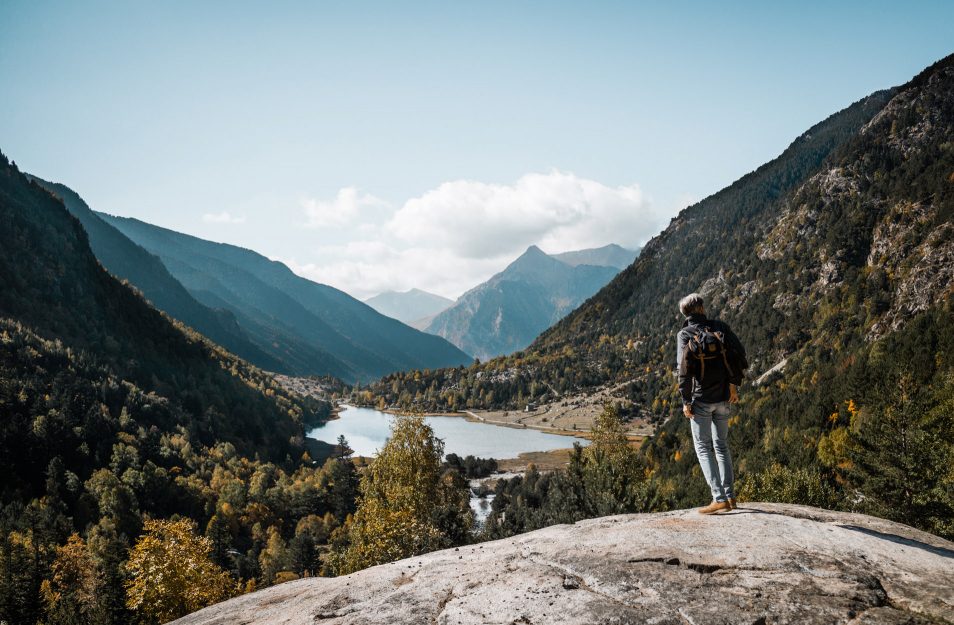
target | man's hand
x=733, y=394
x=687, y=410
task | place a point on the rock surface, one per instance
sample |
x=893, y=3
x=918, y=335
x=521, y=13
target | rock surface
x=761, y=564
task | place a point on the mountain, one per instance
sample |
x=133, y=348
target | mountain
x=810, y=566
x=113, y=414
x=834, y=263
x=128, y=261
x=408, y=306
x=611, y=255
x=315, y=328
x=508, y=311
x=67, y=321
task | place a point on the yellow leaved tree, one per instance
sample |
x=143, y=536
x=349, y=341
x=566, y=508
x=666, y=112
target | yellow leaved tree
x=73, y=591
x=172, y=573
x=408, y=505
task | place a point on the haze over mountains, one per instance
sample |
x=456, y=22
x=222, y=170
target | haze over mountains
x=409, y=306
x=508, y=311
x=611, y=255
x=313, y=327
x=129, y=261
x=261, y=311
x=256, y=308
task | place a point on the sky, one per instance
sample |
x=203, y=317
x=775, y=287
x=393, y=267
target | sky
x=376, y=146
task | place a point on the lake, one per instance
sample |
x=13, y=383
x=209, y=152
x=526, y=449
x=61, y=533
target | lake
x=367, y=430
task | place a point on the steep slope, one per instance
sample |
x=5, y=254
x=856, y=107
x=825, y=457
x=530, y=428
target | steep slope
x=408, y=306
x=505, y=313
x=280, y=309
x=714, y=246
x=113, y=414
x=611, y=255
x=762, y=564
x=857, y=247
x=128, y=261
x=54, y=289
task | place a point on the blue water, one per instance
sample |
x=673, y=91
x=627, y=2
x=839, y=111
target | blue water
x=367, y=430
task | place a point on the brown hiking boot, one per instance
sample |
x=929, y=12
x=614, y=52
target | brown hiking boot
x=715, y=506
x=732, y=503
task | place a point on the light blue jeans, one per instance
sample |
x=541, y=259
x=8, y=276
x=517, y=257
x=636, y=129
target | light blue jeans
x=710, y=431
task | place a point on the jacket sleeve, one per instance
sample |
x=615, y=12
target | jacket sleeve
x=682, y=369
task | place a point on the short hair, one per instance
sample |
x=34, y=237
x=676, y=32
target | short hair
x=690, y=304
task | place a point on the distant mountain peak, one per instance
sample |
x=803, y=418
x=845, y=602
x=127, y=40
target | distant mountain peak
x=533, y=260
x=505, y=313
x=408, y=306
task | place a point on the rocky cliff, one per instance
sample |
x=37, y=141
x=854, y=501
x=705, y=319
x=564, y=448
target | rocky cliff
x=764, y=563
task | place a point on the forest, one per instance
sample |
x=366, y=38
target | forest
x=149, y=472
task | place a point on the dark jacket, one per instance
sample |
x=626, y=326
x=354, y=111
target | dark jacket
x=715, y=384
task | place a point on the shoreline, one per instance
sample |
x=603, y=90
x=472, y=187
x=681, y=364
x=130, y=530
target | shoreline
x=473, y=417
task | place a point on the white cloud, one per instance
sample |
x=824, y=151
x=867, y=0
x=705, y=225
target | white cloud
x=347, y=205
x=558, y=211
x=222, y=218
x=451, y=238
x=365, y=273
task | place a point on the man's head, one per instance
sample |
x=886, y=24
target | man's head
x=690, y=304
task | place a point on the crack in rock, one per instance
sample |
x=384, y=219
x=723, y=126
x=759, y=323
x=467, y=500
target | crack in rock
x=442, y=605
x=580, y=582
x=699, y=567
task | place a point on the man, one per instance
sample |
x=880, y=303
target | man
x=708, y=354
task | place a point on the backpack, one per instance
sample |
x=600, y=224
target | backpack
x=708, y=346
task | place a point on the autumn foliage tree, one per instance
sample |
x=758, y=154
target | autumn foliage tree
x=73, y=592
x=407, y=505
x=172, y=572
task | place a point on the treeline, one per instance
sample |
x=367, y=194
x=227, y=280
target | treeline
x=471, y=467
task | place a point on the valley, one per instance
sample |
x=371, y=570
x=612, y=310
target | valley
x=198, y=429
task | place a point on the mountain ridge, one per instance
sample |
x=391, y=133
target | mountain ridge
x=355, y=341
x=611, y=255
x=131, y=262
x=71, y=298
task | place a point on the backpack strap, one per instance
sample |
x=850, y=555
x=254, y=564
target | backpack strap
x=700, y=353
x=725, y=358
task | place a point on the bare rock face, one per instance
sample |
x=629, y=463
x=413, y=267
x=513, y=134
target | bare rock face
x=761, y=564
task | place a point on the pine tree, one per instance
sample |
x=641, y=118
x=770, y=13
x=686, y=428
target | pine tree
x=274, y=556
x=902, y=457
